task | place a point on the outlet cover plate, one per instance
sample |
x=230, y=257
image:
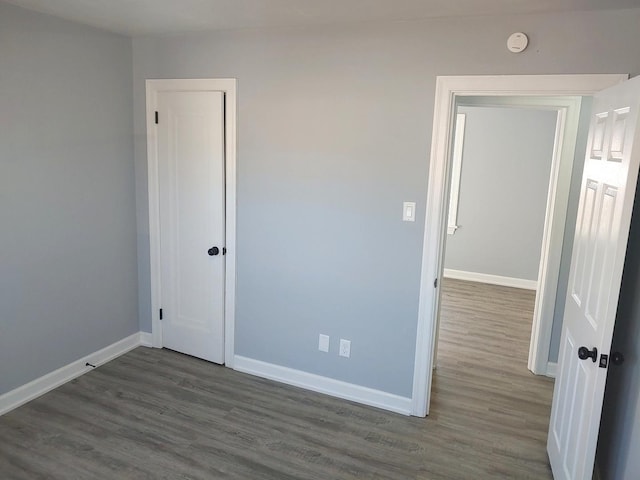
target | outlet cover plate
x=323, y=343
x=345, y=348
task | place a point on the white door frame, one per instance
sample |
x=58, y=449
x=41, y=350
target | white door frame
x=228, y=86
x=447, y=89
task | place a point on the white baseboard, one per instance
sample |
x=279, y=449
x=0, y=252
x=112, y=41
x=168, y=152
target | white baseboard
x=48, y=382
x=146, y=339
x=491, y=279
x=298, y=378
x=328, y=386
x=552, y=368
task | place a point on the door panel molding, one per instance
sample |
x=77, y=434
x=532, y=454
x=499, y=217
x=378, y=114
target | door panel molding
x=448, y=88
x=228, y=86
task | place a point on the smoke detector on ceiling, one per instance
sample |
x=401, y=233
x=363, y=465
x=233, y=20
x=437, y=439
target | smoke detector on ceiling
x=517, y=42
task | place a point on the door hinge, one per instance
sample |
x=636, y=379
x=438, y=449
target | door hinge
x=435, y=283
x=156, y=117
x=160, y=314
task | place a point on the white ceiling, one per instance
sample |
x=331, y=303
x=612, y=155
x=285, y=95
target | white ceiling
x=148, y=17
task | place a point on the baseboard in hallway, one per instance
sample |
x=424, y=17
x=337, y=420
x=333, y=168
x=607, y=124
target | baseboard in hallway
x=491, y=279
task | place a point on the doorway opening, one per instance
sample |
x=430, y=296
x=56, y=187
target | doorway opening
x=509, y=171
x=448, y=91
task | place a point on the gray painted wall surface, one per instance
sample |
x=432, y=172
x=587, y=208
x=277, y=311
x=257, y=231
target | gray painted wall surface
x=619, y=441
x=68, y=279
x=504, y=183
x=334, y=131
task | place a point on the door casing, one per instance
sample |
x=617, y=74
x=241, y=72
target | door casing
x=228, y=86
x=447, y=89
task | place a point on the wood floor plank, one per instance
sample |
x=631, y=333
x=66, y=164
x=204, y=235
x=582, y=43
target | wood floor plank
x=154, y=414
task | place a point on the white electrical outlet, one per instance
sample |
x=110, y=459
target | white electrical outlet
x=345, y=348
x=323, y=343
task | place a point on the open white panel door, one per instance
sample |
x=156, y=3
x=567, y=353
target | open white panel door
x=602, y=230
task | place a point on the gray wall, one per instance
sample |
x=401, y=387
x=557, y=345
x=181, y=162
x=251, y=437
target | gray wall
x=504, y=184
x=334, y=132
x=68, y=279
x=619, y=441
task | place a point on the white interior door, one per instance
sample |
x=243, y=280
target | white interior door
x=602, y=230
x=191, y=185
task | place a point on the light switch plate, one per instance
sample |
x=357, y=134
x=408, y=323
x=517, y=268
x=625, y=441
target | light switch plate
x=409, y=211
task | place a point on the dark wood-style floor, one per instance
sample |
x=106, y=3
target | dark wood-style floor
x=154, y=414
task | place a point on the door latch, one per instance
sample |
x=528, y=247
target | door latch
x=604, y=361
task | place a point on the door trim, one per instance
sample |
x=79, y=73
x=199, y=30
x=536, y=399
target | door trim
x=229, y=87
x=447, y=89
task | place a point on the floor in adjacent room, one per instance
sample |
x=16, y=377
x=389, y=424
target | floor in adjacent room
x=154, y=414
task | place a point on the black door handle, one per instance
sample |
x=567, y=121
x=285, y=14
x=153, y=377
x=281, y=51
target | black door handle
x=617, y=358
x=584, y=353
x=213, y=251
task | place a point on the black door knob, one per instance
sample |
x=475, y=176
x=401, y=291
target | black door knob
x=584, y=353
x=617, y=358
x=213, y=251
